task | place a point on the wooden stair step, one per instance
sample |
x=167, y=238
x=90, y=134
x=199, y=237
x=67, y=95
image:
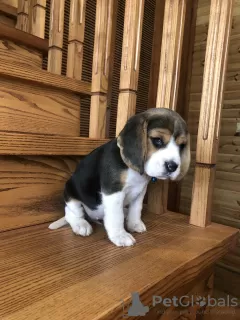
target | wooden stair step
x=48, y=274
x=8, y=10
x=44, y=78
x=23, y=38
x=38, y=144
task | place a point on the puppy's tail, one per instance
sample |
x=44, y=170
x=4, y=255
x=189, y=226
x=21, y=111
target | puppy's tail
x=58, y=224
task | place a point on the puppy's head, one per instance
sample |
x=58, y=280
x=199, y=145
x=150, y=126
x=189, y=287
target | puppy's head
x=157, y=143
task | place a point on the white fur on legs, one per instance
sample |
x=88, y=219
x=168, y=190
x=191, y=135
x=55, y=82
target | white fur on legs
x=74, y=215
x=134, y=222
x=114, y=220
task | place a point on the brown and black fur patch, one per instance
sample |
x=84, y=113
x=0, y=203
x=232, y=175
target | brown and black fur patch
x=134, y=140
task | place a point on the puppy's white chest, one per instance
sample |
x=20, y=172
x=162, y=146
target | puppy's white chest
x=135, y=185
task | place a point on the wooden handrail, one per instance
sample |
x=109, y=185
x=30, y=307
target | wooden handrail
x=39, y=144
x=23, y=38
x=44, y=78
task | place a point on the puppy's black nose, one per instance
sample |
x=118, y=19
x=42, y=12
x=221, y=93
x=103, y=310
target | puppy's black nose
x=171, y=166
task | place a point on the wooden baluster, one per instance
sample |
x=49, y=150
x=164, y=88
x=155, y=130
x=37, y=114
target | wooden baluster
x=76, y=39
x=56, y=36
x=156, y=51
x=23, y=15
x=105, y=15
x=37, y=18
x=132, y=36
x=171, y=50
x=210, y=113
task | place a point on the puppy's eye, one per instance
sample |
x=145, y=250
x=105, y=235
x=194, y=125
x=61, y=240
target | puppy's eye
x=157, y=142
x=182, y=146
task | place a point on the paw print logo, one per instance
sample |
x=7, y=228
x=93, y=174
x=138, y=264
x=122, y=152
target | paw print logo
x=201, y=301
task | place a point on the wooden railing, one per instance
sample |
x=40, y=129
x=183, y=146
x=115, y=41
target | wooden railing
x=31, y=19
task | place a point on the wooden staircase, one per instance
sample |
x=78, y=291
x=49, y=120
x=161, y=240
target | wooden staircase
x=55, y=274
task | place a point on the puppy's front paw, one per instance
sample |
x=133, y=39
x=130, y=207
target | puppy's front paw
x=82, y=228
x=136, y=226
x=123, y=239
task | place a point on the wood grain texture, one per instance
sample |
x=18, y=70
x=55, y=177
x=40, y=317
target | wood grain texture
x=31, y=189
x=210, y=113
x=55, y=60
x=168, y=81
x=75, y=56
x=171, y=50
x=43, y=78
x=158, y=197
x=44, y=268
x=202, y=196
x=183, y=105
x=31, y=109
x=56, y=30
x=8, y=10
x=37, y=18
x=13, y=3
x=23, y=38
x=76, y=39
x=226, y=194
x=6, y=20
x=23, y=15
x=105, y=14
x=129, y=73
x=102, y=57
x=29, y=144
x=213, y=80
x=156, y=52
x=126, y=108
x=97, y=125
x=11, y=51
x=201, y=286
x=132, y=36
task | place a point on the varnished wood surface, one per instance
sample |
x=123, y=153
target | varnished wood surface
x=8, y=10
x=25, y=108
x=168, y=81
x=106, y=16
x=31, y=189
x=30, y=144
x=56, y=30
x=13, y=52
x=57, y=275
x=43, y=78
x=130, y=61
x=220, y=21
x=37, y=18
x=23, y=38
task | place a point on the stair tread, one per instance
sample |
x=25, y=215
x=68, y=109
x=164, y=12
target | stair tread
x=23, y=38
x=39, y=144
x=48, y=274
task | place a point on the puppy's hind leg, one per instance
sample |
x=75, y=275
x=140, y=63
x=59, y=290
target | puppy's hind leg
x=74, y=215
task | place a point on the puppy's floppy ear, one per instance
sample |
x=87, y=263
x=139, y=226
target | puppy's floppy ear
x=185, y=159
x=132, y=142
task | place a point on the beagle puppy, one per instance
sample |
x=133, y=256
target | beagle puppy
x=109, y=184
